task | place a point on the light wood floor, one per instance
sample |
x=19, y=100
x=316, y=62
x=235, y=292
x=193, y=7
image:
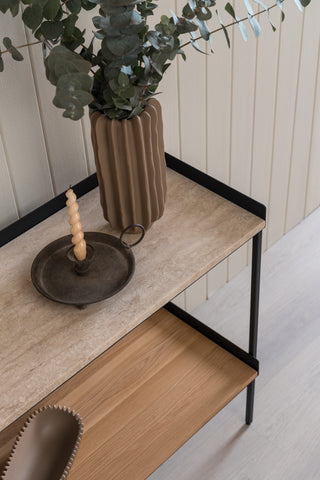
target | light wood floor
x=283, y=443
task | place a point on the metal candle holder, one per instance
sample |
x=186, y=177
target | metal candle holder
x=109, y=266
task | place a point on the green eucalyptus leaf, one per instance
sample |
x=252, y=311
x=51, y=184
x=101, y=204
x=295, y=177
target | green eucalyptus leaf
x=192, y=4
x=101, y=22
x=63, y=67
x=107, y=96
x=254, y=25
x=69, y=24
x=83, y=97
x=279, y=3
x=1, y=64
x=74, y=6
x=65, y=101
x=16, y=55
x=51, y=30
x=14, y=7
x=204, y=30
x=305, y=3
x=298, y=3
x=186, y=26
x=243, y=30
x=87, y=5
x=7, y=43
x=74, y=81
x=5, y=5
x=225, y=31
x=136, y=111
x=249, y=7
x=229, y=8
x=153, y=38
x=122, y=45
x=195, y=44
x=123, y=79
x=252, y=20
x=267, y=10
x=174, y=17
x=51, y=9
x=122, y=103
x=108, y=55
x=204, y=13
x=61, y=54
x=110, y=73
x=187, y=12
x=32, y=16
x=77, y=39
x=38, y=2
x=74, y=113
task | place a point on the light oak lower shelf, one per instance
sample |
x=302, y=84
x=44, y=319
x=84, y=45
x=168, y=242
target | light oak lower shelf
x=145, y=396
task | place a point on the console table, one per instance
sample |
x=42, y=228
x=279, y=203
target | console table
x=143, y=374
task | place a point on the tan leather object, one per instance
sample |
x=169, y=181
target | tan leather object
x=46, y=446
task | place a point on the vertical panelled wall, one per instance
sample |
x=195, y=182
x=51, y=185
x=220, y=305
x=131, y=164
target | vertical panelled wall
x=250, y=116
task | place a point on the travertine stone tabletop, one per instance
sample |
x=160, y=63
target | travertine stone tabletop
x=43, y=343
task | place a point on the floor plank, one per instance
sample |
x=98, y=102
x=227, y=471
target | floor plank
x=284, y=440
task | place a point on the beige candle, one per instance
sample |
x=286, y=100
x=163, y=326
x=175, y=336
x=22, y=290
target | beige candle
x=79, y=249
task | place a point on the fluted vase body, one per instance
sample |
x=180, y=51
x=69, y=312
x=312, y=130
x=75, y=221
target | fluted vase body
x=131, y=169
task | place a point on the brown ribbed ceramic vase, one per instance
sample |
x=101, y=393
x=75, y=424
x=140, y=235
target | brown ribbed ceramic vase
x=131, y=169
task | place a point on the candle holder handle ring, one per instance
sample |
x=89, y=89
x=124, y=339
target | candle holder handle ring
x=130, y=227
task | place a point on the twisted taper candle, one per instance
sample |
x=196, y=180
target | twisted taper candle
x=79, y=249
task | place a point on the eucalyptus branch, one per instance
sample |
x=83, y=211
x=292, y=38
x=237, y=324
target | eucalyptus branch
x=22, y=46
x=131, y=55
x=93, y=73
x=233, y=23
x=142, y=95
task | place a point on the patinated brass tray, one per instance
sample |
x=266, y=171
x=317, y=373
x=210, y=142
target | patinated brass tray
x=108, y=268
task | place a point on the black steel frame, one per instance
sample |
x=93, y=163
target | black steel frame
x=83, y=187
x=260, y=211
x=44, y=211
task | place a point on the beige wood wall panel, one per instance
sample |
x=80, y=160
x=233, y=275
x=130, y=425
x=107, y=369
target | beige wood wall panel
x=85, y=22
x=313, y=190
x=193, y=140
x=243, y=88
x=192, y=88
x=264, y=110
x=8, y=207
x=170, y=103
x=218, y=129
x=180, y=300
x=64, y=138
x=21, y=126
x=86, y=129
x=303, y=118
x=289, y=58
x=169, y=96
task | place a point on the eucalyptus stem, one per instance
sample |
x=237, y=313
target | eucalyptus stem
x=142, y=95
x=22, y=46
x=233, y=23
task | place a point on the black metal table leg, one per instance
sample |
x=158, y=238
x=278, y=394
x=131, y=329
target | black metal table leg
x=254, y=315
